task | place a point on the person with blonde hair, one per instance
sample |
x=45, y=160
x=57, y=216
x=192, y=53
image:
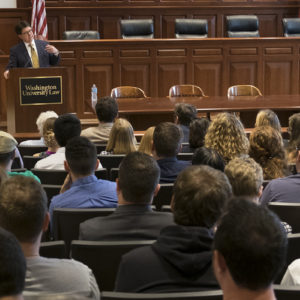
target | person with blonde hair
x=226, y=135
x=121, y=139
x=49, y=139
x=267, y=117
x=266, y=148
x=147, y=141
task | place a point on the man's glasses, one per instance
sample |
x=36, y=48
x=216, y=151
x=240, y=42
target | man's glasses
x=27, y=32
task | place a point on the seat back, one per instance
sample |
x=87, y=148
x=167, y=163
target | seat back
x=243, y=90
x=203, y=295
x=109, y=161
x=185, y=156
x=186, y=90
x=287, y=212
x=30, y=150
x=127, y=92
x=81, y=35
x=66, y=221
x=51, y=191
x=30, y=161
x=53, y=249
x=242, y=26
x=104, y=258
x=163, y=196
x=137, y=29
x=285, y=292
x=190, y=28
x=291, y=27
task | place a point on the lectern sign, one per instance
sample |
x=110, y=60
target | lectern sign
x=40, y=90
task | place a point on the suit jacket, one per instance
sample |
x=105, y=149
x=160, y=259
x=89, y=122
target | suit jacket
x=19, y=57
x=128, y=222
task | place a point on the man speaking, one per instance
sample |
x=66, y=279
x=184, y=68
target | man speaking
x=30, y=52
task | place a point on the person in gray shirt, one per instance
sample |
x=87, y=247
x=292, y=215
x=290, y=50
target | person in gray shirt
x=23, y=211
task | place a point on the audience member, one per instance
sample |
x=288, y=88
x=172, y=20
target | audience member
x=246, y=177
x=23, y=211
x=198, y=129
x=226, y=135
x=209, y=157
x=49, y=139
x=147, y=141
x=106, y=111
x=184, y=114
x=267, y=117
x=65, y=127
x=43, y=116
x=249, y=251
x=133, y=219
x=167, y=140
x=181, y=258
x=266, y=148
x=121, y=138
x=294, y=141
x=284, y=189
x=8, y=147
x=81, y=188
x=13, y=267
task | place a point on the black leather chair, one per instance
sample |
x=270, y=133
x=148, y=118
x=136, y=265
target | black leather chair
x=53, y=249
x=163, y=196
x=203, y=295
x=291, y=27
x=137, y=29
x=30, y=150
x=66, y=221
x=30, y=161
x=81, y=35
x=190, y=28
x=104, y=258
x=242, y=26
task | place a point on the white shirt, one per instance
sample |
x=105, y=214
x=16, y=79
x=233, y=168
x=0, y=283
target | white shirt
x=292, y=274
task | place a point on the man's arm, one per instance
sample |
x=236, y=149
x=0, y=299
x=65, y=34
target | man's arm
x=13, y=63
x=54, y=57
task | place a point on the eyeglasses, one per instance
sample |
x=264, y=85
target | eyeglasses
x=27, y=32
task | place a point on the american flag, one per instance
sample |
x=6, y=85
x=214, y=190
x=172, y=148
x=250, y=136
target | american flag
x=38, y=19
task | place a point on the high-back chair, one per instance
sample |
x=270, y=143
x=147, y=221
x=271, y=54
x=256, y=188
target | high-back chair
x=243, y=90
x=186, y=90
x=104, y=258
x=81, y=35
x=190, y=28
x=127, y=92
x=137, y=29
x=291, y=27
x=242, y=26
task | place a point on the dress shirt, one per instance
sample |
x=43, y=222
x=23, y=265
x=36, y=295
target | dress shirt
x=98, y=134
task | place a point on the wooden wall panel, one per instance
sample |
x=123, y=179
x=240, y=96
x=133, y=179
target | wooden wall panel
x=269, y=25
x=243, y=73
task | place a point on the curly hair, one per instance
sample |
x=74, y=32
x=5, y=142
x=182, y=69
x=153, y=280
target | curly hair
x=48, y=133
x=266, y=148
x=294, y=142
x=226, y=135
x=267, y=117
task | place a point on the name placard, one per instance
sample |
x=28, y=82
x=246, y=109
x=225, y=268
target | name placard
x=40, y=90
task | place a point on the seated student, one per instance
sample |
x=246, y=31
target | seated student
x=147, y=141
x=23, y=211
x=13, y=267
x=184, y=114
x=133, y=219
x=43, y=116
x=198, y=129
x=81, y=188
x=209, y=157
x=106, y=111
x=181, y=258
x=167, y=140
x=8, y=147
x=249, y=251
x=294, y=134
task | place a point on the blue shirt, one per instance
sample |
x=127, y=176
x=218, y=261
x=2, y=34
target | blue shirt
x=86, y=192
x=170, y=167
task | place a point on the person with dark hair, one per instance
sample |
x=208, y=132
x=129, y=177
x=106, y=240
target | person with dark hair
x=249, y=251
x=167, y=138
x=30, y=52
x=66, y=127
x=13, y=267
x=23, y=211
x=209, y=157
x=107, y=111
x=81, y=188
x=198, y=129
x=181, y=258
x=294, y=140
x=184, y=114
x=133, y=219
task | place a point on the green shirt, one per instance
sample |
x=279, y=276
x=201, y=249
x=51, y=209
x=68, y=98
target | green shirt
x=26, y=173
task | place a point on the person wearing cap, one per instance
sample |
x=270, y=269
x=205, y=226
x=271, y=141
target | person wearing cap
x=8, y=148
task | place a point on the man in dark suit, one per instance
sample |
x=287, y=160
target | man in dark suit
x=30, y=52
x=133, y=219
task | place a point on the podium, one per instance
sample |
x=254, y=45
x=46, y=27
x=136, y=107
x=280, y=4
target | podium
x=32, y=91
